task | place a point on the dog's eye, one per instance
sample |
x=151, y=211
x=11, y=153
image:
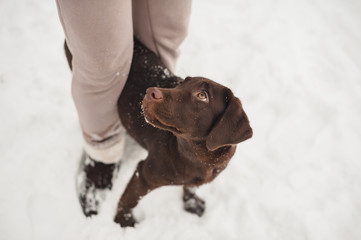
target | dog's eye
x=203, y=96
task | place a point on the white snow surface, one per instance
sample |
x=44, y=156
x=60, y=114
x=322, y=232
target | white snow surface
x=295, y=65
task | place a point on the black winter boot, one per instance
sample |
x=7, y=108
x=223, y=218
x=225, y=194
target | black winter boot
x=93, y=179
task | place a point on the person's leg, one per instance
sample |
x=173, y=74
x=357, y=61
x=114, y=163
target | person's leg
x=162, y=25
x=100, y=38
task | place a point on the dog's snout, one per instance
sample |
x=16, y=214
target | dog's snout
x=154, y=94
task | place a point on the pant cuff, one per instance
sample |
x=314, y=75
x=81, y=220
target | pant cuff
x=108, y=155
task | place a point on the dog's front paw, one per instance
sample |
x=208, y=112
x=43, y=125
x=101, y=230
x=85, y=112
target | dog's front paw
x=194, y=204
x=125, y=219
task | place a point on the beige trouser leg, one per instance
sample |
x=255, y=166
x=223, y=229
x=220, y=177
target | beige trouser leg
x=99, y=34
x=162, y=25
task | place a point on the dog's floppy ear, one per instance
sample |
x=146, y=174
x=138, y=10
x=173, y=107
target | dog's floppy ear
x=231, y=128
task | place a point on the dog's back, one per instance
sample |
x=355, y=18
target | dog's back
x=146, y=71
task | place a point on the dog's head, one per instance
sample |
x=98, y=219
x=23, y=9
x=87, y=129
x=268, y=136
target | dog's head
x=198, y=109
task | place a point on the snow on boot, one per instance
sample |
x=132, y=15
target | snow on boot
x=93, y=179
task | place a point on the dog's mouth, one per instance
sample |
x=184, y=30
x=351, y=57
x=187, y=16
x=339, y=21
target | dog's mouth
x=155, y=121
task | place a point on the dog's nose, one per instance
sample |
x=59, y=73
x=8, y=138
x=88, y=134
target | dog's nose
x=154, y=94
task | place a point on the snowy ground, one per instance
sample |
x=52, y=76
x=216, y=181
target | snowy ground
x=296, y=65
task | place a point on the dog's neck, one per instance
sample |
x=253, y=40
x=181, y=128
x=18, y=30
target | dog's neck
x=189, y=148
x=197, y=149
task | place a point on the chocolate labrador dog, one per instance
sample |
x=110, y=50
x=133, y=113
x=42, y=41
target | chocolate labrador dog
x=189, y=127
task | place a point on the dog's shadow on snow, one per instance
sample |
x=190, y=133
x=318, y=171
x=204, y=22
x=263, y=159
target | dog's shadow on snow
x=133, y=152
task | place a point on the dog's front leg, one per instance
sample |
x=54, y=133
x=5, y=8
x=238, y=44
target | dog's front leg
x=193, y=203
x=135, y=190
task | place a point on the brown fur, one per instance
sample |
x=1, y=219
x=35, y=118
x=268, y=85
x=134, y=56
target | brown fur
x=189, y=139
